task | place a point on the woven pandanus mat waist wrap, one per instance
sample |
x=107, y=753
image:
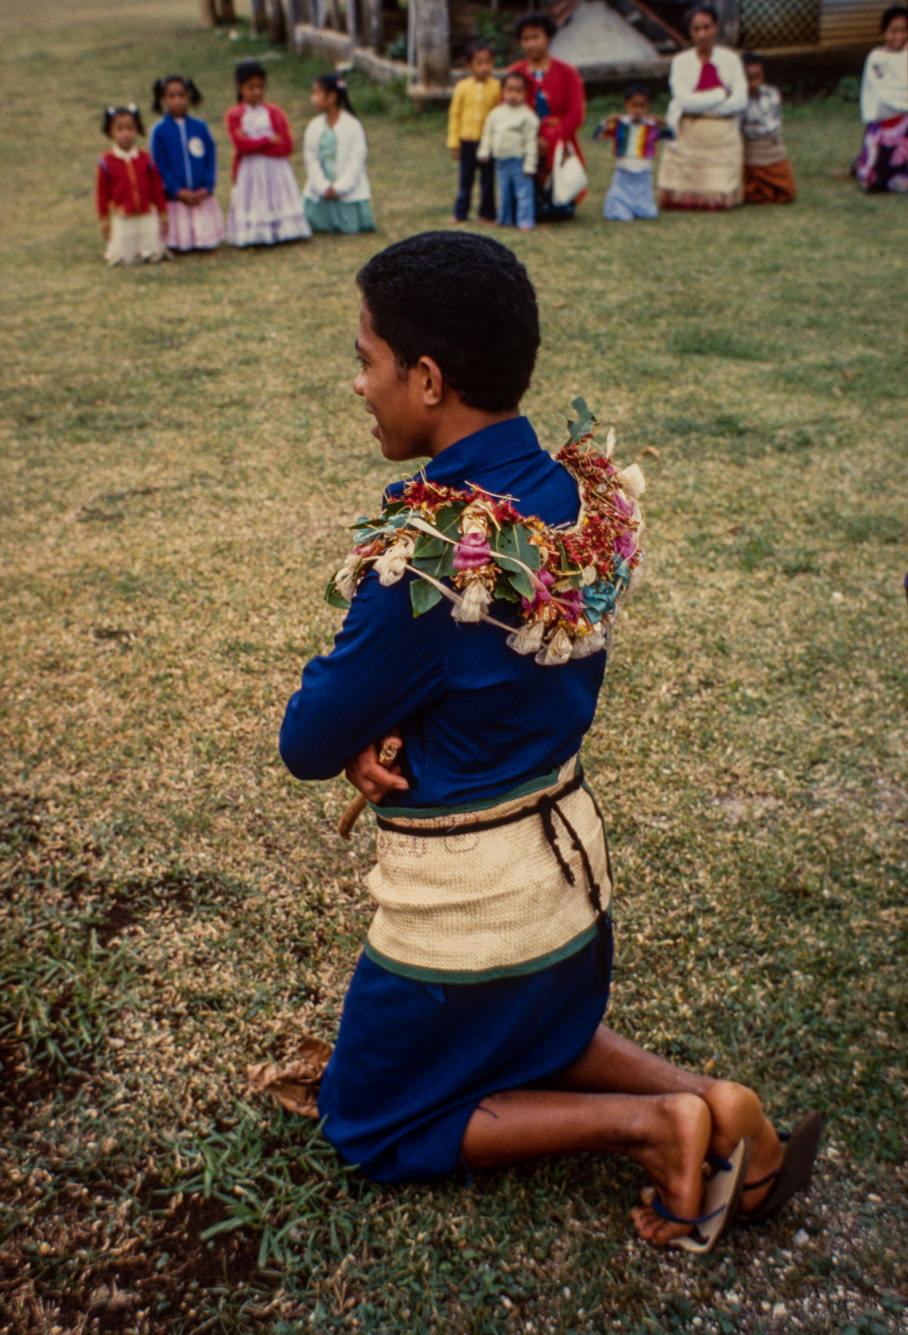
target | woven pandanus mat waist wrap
x=765, y=151
x=508, y=889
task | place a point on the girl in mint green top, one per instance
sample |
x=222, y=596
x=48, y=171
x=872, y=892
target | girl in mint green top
x=337, y=196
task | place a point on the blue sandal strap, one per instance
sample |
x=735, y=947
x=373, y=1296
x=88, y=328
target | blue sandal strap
x=716, y=1161
x=752, y=1186
x=664, y=1212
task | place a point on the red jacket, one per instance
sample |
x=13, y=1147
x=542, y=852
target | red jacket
x=563, y=89
x=281, y=147
x=129, y=185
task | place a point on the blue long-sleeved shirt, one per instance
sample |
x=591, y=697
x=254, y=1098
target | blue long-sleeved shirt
x=185, y=154
x=476, y=718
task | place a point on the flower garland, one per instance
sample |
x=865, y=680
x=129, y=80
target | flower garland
x=475, y=549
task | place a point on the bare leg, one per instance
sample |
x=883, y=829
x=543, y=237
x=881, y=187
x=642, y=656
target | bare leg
x=612, y=1064
x=667, y=1134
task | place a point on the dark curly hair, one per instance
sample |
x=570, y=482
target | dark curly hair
x=543, y=21
x=893, y=12
x=159, y=88
x=110, y=114
x=467, y=302
x=247, y=69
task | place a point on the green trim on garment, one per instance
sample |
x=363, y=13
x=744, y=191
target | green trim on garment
x=339, y=215
x=436, y=813
x=541, y=962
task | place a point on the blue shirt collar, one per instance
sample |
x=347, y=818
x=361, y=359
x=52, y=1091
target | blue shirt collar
x=468, y=459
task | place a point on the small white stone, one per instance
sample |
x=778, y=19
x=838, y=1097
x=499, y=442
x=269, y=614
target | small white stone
x=779, y=1309
x=877, y=1200
x=801, y=1238
x=566, y=1291
x=837, y=597
x=766, y=1306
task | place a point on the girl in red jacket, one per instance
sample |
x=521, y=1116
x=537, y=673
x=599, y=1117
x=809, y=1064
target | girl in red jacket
x=130, y=193
x=265, y=206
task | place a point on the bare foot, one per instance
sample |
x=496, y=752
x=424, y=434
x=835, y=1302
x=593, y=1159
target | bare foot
x=736, y=1111
x=675, y=1164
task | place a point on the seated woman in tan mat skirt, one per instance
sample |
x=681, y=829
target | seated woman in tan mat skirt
x=768, y=178
x=702, y=168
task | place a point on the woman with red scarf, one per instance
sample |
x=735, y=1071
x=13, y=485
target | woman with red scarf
x=555, y=93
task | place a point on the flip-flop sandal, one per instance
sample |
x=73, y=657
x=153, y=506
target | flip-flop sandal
x=794, y=1172
x=723, y=1191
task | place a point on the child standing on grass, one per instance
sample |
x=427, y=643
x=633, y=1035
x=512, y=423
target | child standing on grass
x=185, y=154
x=129, y=193
x=336, y=196
x=265, y=204
x=510, y=136
x=768, y=178
x=474, y=97
x=636, y=135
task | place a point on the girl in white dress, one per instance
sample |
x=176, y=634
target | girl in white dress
x=265, y=205
x=883, y=164
x=336, y=196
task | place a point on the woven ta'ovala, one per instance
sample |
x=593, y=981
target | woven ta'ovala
x=470, y=894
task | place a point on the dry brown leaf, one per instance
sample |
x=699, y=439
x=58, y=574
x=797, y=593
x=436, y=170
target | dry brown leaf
x=294, y=1086
x=650, y=452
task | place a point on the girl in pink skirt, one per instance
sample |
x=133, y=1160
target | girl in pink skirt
x=185, y=154
x=266, y=205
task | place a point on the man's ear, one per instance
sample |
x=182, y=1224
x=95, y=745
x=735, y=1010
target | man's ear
x=431, y=382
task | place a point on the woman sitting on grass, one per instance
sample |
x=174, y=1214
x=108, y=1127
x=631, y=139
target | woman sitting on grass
x=703, y=167
x=336, y=196
x=471, y=1030
x=883, y=164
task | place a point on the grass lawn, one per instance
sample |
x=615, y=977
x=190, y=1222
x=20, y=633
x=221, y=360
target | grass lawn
x=181, y=455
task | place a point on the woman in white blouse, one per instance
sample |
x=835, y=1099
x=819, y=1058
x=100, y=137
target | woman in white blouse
x=703, y=167
x=337, y=196
x=883, y=164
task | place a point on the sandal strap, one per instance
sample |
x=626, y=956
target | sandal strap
x=761, y=1182
x=770, y=1177
x=665, y=1213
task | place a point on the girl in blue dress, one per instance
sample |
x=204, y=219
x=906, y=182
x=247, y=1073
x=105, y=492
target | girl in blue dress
x=185, y=154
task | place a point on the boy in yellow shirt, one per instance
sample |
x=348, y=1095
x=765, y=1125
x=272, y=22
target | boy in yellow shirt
x=474, y=97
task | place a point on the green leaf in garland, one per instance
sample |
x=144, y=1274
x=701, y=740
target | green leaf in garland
x=521, y=582
x=505, y=590
x=434, y=556
x=423, y=596
x=448, y=518
x=514, y=541
x=585, y=423
x=334, y=598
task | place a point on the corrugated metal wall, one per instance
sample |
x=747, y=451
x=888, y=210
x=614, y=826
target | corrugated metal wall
x=773, y=23
x=769, y=23
x=850, y=22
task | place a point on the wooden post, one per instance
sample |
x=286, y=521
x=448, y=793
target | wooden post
x=277, y=23
x=729, y=15
x=226, y=11
x=373, y=25
x=259, y=22
x=209, y=13
x=433, y=45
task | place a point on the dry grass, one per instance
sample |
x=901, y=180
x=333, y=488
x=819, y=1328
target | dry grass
x=181, y=452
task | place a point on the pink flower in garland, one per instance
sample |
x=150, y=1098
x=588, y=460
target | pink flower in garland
x=571, y=604
x=472, y=552
x=625, y=545
x=542, y=583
